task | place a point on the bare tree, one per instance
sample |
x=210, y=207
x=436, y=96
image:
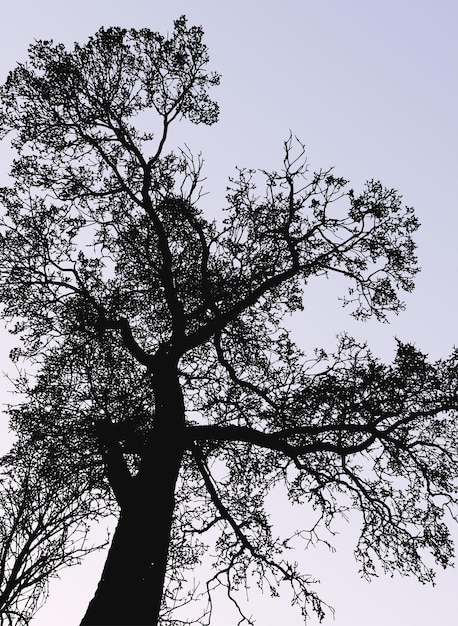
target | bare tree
x=43, y=528
x=165, y=376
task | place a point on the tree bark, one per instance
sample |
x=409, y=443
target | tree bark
x=131, y=587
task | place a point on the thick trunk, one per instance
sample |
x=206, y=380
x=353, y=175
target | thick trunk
x=130, y=590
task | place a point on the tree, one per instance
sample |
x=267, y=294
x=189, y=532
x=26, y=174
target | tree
x=163, y=373
x=43, y=527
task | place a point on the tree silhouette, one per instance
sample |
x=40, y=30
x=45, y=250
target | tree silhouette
x=164, y=381
x=43, y=528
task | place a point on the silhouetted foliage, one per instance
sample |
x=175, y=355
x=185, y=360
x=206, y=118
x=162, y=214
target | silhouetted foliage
x=165, y=382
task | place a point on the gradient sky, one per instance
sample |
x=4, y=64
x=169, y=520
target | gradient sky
x=371, y=88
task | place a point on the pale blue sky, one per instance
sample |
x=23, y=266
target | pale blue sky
x=370, y=87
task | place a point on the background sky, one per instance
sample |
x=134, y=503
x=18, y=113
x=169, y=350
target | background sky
x=370, y=88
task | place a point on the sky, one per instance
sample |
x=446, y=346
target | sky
x=370, y=88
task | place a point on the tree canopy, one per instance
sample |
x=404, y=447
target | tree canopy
x=162, y=377
x=43, y=528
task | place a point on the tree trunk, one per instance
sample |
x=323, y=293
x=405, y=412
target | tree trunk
x=130, y=590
